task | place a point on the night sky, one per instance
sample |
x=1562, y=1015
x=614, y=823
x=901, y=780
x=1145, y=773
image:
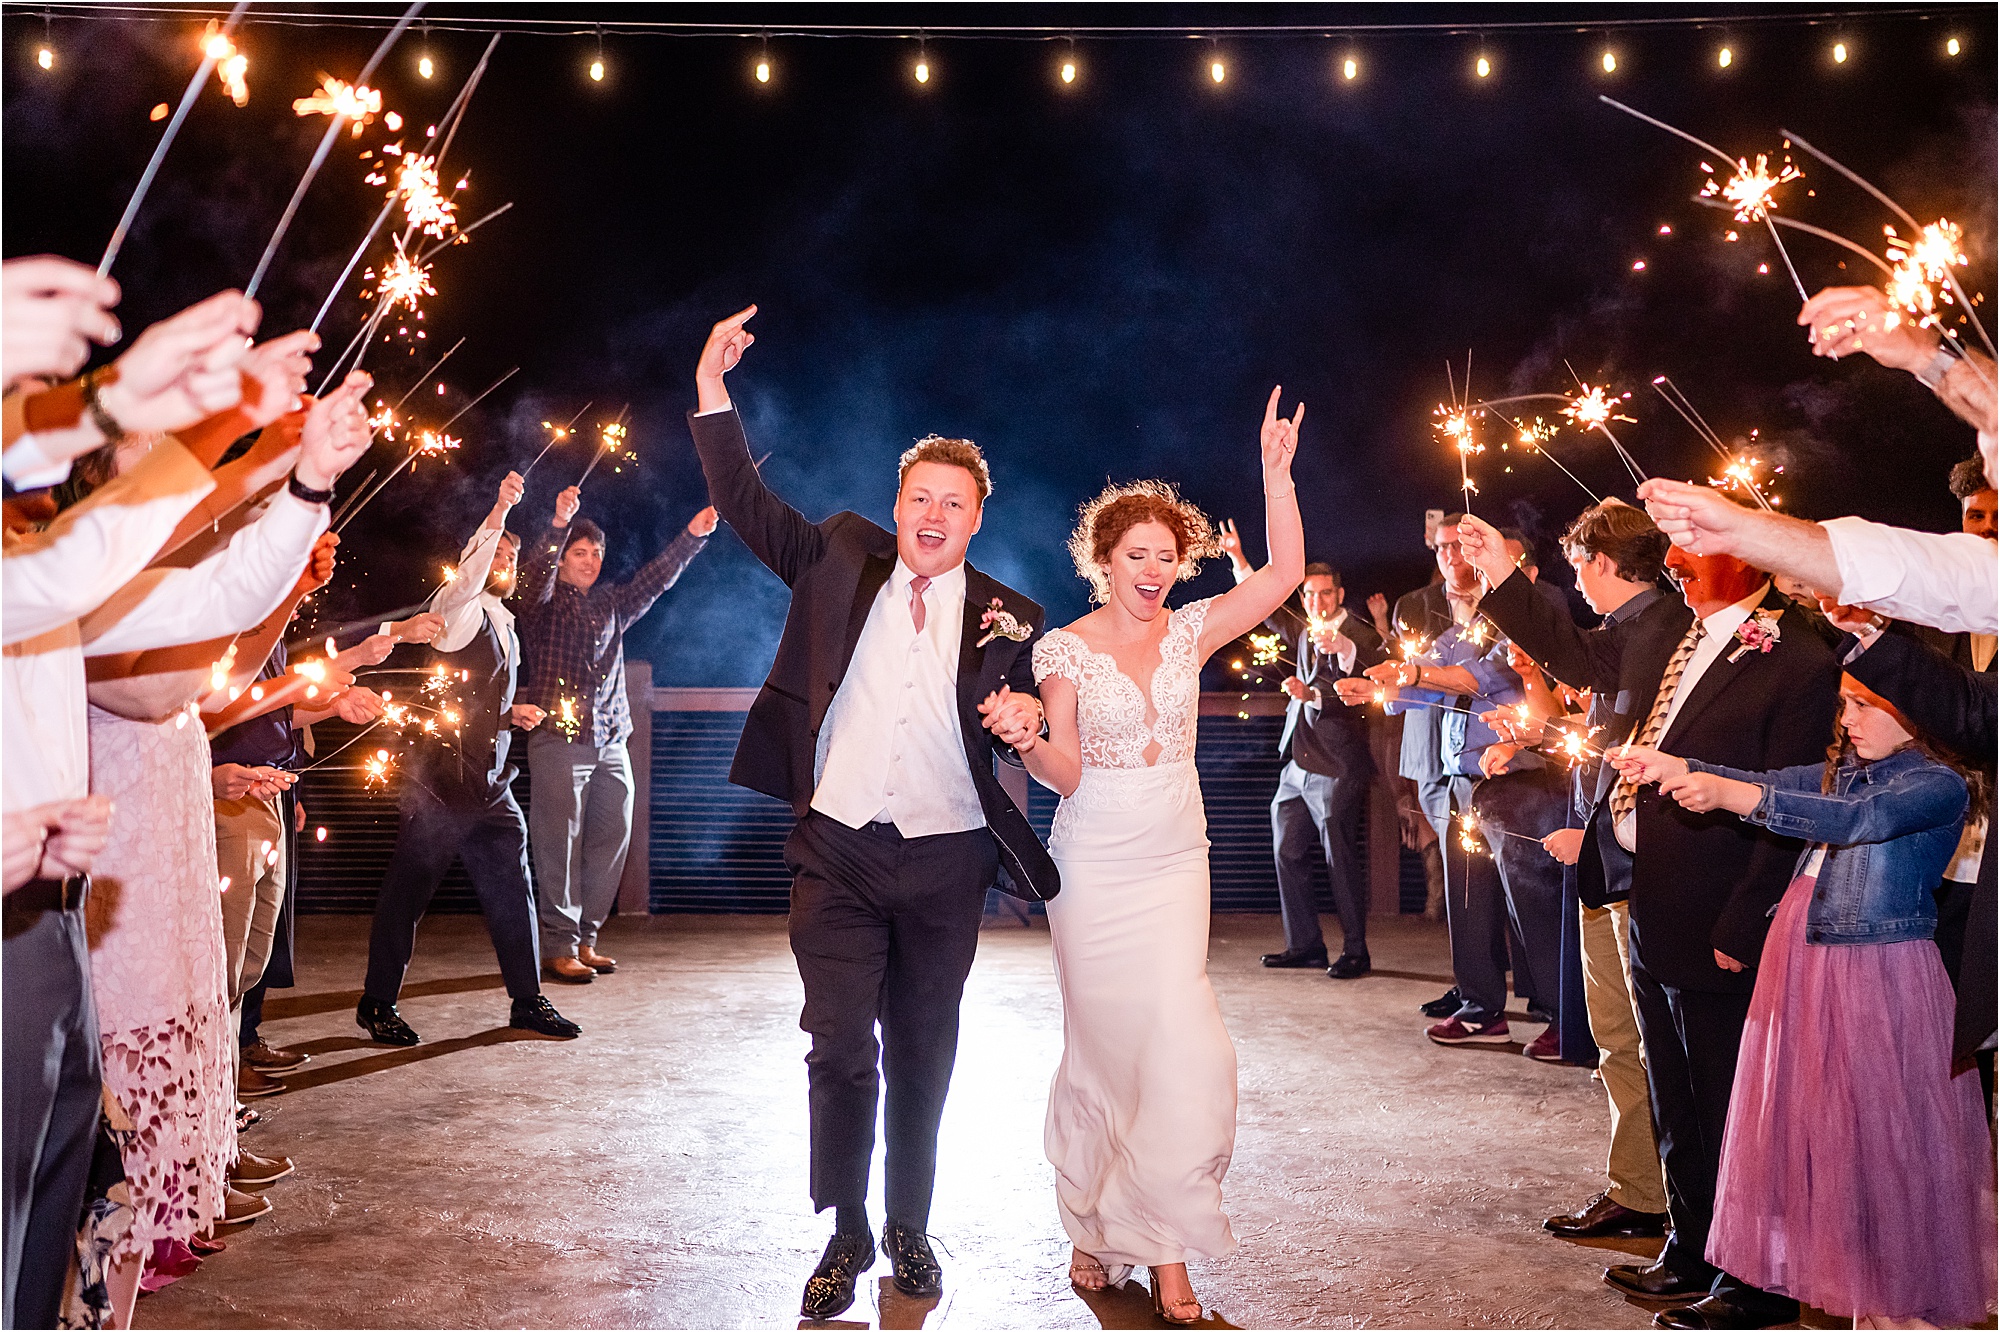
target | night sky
x=1097, y=280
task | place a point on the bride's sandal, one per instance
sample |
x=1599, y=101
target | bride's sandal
x=1086, y=1273
x=1184, y=1311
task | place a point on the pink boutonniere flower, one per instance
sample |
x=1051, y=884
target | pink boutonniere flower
x=998, y=623
x=1759, y=633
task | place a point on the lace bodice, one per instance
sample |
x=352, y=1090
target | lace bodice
x=1110, y=706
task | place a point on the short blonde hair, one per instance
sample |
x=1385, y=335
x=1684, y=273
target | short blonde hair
x=961, y=453
x=1104, y=521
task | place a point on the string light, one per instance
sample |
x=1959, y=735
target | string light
x=1217, y=70
x=763, y=70
x=1951, y=47
x=1610, y=63
x=1350, y=68
x=923, y=71
x=1484, y=67
x=1724, y=57
x=1840, y=53
x=424, y=67
x=597, y=70
x=1068, y=71
x=46, y=57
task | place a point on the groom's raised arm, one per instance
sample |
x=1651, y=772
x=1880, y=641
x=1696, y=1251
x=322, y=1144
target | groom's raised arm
x=775, y=532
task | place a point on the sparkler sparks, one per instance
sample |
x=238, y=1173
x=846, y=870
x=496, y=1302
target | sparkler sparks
x=355, y=103
x=424, y=205
x=403, y=281
x=566, y=719
x=230, y=64
x=1455, y=424
x=1266, y=649
x=1920, y=280
x=1591, y=409
x=1751, y=189
x=435, y=443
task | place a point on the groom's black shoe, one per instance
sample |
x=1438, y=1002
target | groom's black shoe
x=912, y=1265
x=830, y=1289
x=1297, y=957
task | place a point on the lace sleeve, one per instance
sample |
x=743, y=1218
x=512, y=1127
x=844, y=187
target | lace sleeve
x=1190, y=618
x=1059, y=652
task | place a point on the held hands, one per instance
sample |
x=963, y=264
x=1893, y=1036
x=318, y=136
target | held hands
x=703, y=523
x=1565, y=844
x=1015, y=719
x=52, y=310
x=1485, y=549
x=567, y=504
x=236, y=781
x=1279, y=441
x=727, y=342
x=1840, y=321
x=526, y=716
x=336, y=433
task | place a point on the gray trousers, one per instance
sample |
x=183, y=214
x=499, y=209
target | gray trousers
x=579, y=828
x=49, y=1104
x=1313, y=815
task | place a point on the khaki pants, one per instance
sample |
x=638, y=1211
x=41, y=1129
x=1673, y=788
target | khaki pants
x=1637, y=1181
x=250, y=850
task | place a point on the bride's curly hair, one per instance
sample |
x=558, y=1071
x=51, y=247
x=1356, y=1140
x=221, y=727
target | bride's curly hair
x=1103, y=522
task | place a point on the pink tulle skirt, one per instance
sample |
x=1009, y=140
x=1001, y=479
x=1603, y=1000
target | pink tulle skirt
x=1857, y=1173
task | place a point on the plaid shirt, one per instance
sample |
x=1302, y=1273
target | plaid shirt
x=573, y=642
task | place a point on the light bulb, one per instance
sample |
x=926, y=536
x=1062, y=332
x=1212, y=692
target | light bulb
x=597, y=70
x=45, y=58
x=1724, y=56
x=1610, y=63
x=1840, y=53
x=923, y=71
x=1951, y=47
x=1069, y=71
x=1216, y=71
x=1484, y=67
x=1350, y=68
x=763, y=71
x=424, y=67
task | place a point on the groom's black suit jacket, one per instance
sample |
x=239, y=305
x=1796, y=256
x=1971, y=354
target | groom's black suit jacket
x=1701, y=883
x=835, y=569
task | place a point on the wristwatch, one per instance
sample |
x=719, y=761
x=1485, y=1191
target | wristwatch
x=1939, y=366
x=299, y=490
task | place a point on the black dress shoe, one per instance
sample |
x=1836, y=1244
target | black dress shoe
x=539, y=1015
x=1716, y=1311
x=1653, y=1281
x=1600, y=1216
x=1297, y=957
x=1350, y=966
x=830, y=1289
x=383, y=1023
x=912, y=1265
x=1444, y=1005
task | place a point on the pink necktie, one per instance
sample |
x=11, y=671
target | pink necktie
x=917, y=586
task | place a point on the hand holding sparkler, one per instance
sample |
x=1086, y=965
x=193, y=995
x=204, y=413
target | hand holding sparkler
x=1356, y=691
x=181, y=370
x=320, y=560
x=1565, y=844
x=703, y=523
x=567, y=503
x=1863, y=624
x=526, y=716
x=236, y=781
x=1297, y=688
x=419, y=628
x=1641, y=766
x=51, y=310
x=727, y=342
x=359, y=705
x=1840, y=321
x=1485, y=549
x=1701, y=518
x=336, y=433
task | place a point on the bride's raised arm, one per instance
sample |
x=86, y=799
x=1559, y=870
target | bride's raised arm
x=1246, y=606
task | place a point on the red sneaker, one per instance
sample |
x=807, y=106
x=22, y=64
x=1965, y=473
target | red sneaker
x=1546, y=1047
x=1453, y=1032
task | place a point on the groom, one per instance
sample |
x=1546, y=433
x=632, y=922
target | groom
x=869, y=726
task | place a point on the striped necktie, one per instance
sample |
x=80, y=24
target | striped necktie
x=1624, y=796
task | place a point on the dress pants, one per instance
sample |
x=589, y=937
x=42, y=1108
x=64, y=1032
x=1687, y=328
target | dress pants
x=250, y=848
x=50, y=1091
x=1312, y=816
x=1633, y=1164
x=1691, y=1038
x=582, y=828
x=437, y=821
x=1475, y=913
x=884, y=929
x=1528, y=805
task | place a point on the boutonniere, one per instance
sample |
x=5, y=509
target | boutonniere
x=998, y=623
x=1759, y=633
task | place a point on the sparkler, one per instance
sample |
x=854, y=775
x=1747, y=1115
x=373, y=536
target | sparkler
x=557, y=434
x=566, y=719
x=1471, y=826
x=231, y=65
x=1750, y=189
x=1738, y=469
x=430, y=443
x=1591, y=409
x=425, y=206
x=1920, y=265
x=209, y=59
x=402, y=282
x=611, y=440
x=1534, y=438
x=355, y=102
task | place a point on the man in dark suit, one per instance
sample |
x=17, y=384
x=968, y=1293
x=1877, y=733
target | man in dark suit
x=1747, y=684
x=869, y=725
x=1323, y=787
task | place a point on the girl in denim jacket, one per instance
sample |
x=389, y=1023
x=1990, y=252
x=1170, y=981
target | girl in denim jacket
x=1856, y=1171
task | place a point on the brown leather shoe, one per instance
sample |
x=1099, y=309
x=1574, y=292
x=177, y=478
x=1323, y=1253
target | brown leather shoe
x=596, y=961
x=1601, y=1216
x=250, y=1084
x=266, y=1058
x=569, y=969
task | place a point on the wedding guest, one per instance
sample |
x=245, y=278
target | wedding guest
x=1323, y=787
x=456, y=798
x=1741, y=679
x=573, y=637
x=1856, y=1172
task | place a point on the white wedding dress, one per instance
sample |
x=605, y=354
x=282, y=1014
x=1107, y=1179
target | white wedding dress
x=1142, y=1112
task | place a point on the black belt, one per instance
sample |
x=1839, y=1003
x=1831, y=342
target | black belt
x=50, y=894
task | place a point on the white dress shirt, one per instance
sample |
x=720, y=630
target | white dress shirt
x=465, y=599
x=890, y=748
x=1718, y=636
x=1948, y=580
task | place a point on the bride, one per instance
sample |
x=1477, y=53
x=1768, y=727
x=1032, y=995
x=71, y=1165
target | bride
x=1142, y=1113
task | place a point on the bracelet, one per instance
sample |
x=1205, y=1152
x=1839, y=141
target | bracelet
x=107, y=425
x=299, y=490
x=1940, y=365
x=1280, y=494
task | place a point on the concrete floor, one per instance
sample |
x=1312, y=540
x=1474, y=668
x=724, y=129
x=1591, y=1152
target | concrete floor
x=652, y=1174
